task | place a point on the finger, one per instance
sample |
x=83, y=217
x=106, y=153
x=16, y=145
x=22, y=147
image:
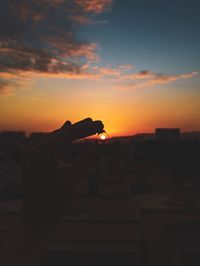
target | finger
x=97, y=125
x=64, y=127
x=83, y=122
x=86, y=128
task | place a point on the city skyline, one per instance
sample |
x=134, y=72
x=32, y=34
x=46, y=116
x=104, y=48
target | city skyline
x=132, y=64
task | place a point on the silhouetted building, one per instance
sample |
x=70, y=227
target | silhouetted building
x=35, y=136
x=191, y=136
x=9, y=138
x=167, y=134
x=143, y=136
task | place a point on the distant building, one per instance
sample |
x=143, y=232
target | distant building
x=143, y=136
x=10, y=138
x=191, y=136
x=35, y=136
x=167, y=134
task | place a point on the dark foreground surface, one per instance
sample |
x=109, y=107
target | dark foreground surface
x=140, y=205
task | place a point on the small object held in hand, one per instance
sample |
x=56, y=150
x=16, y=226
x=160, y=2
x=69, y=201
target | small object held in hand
x=103, y=138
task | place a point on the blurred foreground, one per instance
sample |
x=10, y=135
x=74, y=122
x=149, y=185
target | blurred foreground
x=139, y=206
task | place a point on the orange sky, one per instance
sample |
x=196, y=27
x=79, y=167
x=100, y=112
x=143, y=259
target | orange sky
x=123, y=112
x=134, y=74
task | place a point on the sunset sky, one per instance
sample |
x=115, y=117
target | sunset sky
x=134, y=64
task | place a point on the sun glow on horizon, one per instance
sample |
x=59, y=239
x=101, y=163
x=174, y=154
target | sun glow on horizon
x=132, y=87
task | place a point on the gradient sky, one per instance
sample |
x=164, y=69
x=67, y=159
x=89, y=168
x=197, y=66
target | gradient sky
x=133, y=64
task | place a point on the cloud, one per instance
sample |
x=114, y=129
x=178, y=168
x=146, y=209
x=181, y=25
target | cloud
x=96, y=6
x=144, y=74
x=84, y=20
x=106, y=71
x=77, y=10
x=145, y=79
x=109, y=73
x=81, y=19
x=6, y=88
x=126, y=67
x=38, y=39
x=164, y=79
x=38, y=36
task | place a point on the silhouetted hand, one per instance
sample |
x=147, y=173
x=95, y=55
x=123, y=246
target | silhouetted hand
x=48, y=183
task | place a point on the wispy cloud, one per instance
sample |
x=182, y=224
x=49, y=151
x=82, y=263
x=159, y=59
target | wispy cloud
x=6, y=88
x=38, y=10
x=145, y=79
x=96, y=6
x=39, y=37
x=163, y=79
x=126, y=67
